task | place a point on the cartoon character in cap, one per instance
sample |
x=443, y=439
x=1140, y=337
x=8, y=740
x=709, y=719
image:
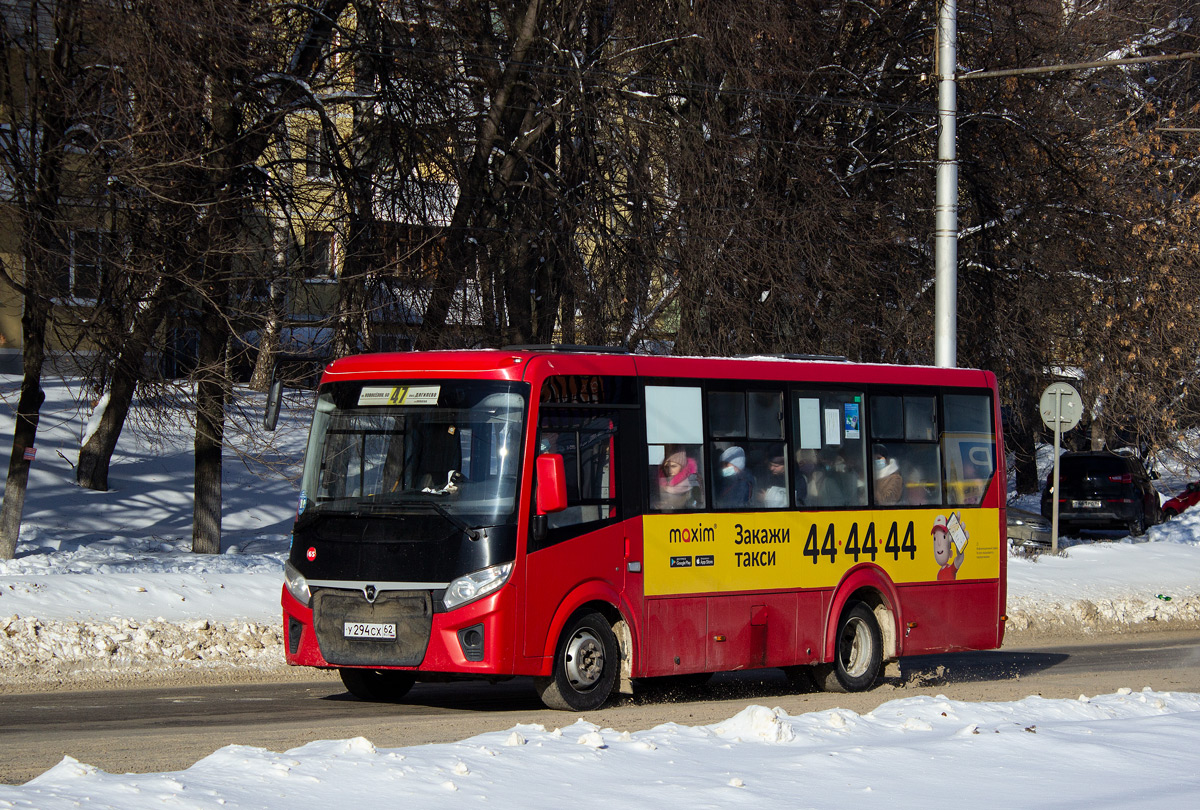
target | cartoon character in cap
x=949, y=540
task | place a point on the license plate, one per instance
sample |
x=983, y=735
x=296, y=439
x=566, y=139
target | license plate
x=1086, y=504
x=369, y=630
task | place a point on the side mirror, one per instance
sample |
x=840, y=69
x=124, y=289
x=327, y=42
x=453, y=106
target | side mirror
x=274, y=400
x=551, y=484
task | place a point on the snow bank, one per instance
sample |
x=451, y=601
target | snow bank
x=50, y=649
x=1119, y=750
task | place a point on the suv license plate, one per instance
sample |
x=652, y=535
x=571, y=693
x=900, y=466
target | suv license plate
x=369, y=630
x=1086, y=504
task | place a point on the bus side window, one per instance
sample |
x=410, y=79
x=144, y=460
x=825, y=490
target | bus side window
x=747, y=453
x=920, y=472
x=675, y=447
x=905, y=465
x=968, y=447
x=586, y=440
x=830, y=449
x=768, y=459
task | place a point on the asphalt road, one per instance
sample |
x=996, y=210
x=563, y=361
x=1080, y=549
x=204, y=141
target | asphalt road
x=169, y=728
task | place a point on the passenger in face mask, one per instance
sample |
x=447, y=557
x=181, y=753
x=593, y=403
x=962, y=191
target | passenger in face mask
x=889, y=484
x=735, y=487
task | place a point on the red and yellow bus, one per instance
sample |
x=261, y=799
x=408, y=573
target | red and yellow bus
x=593, y=518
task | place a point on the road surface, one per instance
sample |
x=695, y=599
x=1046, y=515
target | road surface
x=169, y=728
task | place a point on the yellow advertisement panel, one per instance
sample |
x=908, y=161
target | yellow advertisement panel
x=715, y=553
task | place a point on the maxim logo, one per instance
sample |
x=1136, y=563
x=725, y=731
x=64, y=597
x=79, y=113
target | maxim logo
x=700, y=534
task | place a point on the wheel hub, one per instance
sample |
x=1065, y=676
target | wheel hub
x=854, y=647
x=584, y=659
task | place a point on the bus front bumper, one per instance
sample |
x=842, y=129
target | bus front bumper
x=472, y=640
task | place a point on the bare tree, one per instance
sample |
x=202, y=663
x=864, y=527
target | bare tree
x=194, y=194
x=43, y=63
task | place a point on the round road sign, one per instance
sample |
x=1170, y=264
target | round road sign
x=1061, y=406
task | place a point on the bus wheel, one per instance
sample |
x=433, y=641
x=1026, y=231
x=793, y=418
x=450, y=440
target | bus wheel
x=377, y=685
x=858, y=653
x=585, y=666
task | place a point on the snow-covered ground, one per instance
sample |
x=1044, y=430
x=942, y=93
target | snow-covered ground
x=104, y=583
x=1130, y=749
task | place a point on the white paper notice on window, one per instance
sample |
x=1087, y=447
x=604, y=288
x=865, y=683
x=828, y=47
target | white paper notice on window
x=833, y=426
x=808, y=414
x=673, y=415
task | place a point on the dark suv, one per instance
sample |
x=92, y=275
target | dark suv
x=1102, y=490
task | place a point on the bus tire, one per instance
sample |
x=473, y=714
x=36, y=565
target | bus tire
x=586, y=663
x=377, y=685
x=857, y=653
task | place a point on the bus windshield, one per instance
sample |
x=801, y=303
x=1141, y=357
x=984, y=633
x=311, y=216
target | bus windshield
x=402, y=448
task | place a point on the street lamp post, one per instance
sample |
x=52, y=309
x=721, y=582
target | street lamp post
x=945, y=350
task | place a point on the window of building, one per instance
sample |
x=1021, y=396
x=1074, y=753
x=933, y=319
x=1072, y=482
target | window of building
x=316, y=154
x=80, y=277
x=318, y=254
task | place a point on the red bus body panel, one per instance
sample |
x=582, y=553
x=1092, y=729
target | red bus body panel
x=693, y=632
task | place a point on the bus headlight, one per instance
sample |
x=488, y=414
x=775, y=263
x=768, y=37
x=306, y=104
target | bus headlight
x=296, y=585
x=473, y=586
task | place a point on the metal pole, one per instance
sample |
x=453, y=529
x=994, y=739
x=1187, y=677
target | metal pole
x=946, y=204
x=1054, y=484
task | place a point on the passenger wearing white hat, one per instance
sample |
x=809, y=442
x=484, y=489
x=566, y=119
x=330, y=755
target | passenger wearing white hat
x=734, y=486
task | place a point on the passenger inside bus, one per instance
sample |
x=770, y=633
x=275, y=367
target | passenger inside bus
x=773, y=494
x=735, y=486
x=806, y=465
x=436, y=453
x=678, y=480
x=830, y=484
x=889, y=484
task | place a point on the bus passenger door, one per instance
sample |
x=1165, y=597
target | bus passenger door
x=586, y=542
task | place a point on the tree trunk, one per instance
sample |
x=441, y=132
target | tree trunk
x=95, y=455
x=351, y=334
x=268, y=340
x=25, y=430
x=461, y=251
x=210, y=427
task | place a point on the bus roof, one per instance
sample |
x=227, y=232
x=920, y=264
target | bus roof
x=518, y=363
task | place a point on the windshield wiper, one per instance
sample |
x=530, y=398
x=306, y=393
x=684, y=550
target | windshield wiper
x=384, y=507
x=474, y=534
